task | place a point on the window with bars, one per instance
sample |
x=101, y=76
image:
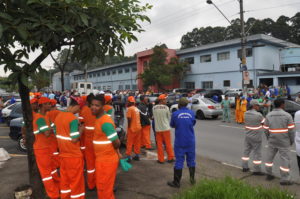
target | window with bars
x=207, y=84
x=205, y=58
x=223, y=56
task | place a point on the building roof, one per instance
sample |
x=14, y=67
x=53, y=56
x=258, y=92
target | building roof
x=113, y=66
x=279, y=73
x=258, y=37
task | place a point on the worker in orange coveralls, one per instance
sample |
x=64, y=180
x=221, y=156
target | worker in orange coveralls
x=42, y=149
x=133, y=130
x=71, y=158
x=243, y=109
x=238, y=109
x=52, y=115
x=106, y=146
x=108, y=108
x=88, y=121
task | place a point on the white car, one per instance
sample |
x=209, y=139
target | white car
x=203, y=107
x=6, y=111
x=7, y=103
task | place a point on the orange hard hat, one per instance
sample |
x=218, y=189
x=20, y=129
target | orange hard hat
x=162, y=97
x=53, y=102
x=84, y=97
x=43, y=100
x=33, y=100
x=131, y=99
x=107, y=98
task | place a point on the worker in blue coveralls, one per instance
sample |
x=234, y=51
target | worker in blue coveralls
x=183, y=121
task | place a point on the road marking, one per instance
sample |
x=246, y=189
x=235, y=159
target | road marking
x=17, y=155
x=234, y=127
x=4, y=137
x=231, y=165
x=293, y=151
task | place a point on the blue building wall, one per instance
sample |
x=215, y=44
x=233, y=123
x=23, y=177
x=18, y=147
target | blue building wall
x=290, y=56
x=115, y=77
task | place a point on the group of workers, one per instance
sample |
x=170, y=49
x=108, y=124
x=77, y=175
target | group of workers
x=84, y=137
x=279, y=128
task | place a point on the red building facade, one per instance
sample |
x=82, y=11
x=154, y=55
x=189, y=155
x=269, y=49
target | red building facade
x=143, y=59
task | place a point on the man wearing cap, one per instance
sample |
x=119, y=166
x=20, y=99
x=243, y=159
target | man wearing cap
x=145, y=122
x=71, y=158
x=52, y=115
x=42, y=149
x=108, y=108
x=183, y=121
x=106, y=149
x=162, y=117
x=88, y=120
x=280, y=134
x=253, y=138
x=133, y=130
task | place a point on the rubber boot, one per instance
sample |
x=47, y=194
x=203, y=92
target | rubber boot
x=192, y=175
x=177, y=177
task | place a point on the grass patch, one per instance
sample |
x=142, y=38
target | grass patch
x=229, y=188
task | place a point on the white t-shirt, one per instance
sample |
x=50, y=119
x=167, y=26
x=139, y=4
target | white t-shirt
x=297, y=137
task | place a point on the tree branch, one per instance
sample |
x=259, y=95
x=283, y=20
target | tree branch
x=56, y=62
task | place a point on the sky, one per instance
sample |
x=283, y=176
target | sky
x=171, y=19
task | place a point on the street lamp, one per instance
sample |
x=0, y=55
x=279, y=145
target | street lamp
x=243, y=39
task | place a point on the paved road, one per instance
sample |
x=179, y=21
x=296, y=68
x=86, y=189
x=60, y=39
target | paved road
x=224, y=142
x=8, y=144
x=215, y=140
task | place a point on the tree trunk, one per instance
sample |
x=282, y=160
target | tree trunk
x=34, y=175
x=62, y=80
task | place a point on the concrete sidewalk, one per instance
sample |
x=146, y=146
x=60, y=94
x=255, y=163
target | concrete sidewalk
x=146, y=180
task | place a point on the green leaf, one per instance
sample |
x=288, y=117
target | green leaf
x=22, y=32
x=5, y=16
x=84, y=18
x=1, y=30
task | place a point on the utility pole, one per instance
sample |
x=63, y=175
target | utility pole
x=85, y=77
x=243, y=44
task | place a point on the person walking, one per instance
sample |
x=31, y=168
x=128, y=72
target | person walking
x=145, y=122
x=71, y=159
x=280, y=134
x=183, y=121
x=42, y=149
x=253, y=138
x=106, y=147
x=243, y=109
x=237, y=109
x=226, y=109
x=133, y=130
x=297, y=137
x=108, y=108
x=162, y=117
x=88, y=121
x=266, y=106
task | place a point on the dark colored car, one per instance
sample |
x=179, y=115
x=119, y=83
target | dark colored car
x=291, y=107
x=16, y=112
x=16, y=133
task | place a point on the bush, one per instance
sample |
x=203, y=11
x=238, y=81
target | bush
x=229, y=188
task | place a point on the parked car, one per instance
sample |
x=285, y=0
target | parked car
x=7, y=102
x=196, y=91
x=16, y=112
x=203, y=107
x=6, y=111
x=15, y=133
x=291, y=107
x=233, y=90
x=182, y=90
x=231, y=97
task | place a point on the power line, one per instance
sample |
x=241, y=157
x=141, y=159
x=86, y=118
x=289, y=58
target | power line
x=268, y=8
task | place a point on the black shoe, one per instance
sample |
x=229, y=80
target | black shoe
x=171, y=161
x=192, y=175
x=115, y=189
x=246, y=170
x=160, y=162
x=286, y=183
x=136, y=158
x=258, y=173
x=177, y=177
x=270, y=177
x=173, y=184
x=129, y=159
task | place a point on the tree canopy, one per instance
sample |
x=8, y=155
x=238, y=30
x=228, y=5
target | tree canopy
x=91, y=28
x=159, y=72
x=284, y=28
